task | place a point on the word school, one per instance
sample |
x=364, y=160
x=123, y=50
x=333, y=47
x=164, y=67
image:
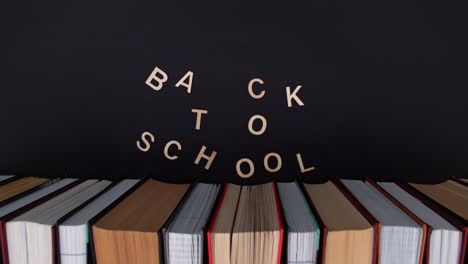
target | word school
x=156, y=81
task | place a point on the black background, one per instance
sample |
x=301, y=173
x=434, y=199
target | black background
x=384, y=86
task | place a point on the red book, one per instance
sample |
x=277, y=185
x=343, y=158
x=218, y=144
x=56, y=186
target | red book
x=280, y=221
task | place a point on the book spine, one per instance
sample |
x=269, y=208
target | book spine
x=280, y=221
x=3, y=242
x=464, y=245
x=212, y=224
x=427, y=255
x=55, y=243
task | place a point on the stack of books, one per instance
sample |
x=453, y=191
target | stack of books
x=73, y=221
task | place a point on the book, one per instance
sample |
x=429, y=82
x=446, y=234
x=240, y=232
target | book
x=184, y=235
x=74, y=239
x=348, y=236
x=455, y=220
x=401, y=237
x=5, y=177
x=449, y=194
x=247, y=226
x=301, y=227
x=16, y=187
x=463, y=180
x=31, y=237
x=220, y=230
x=131, y=231
x=444, y=239
x=25, y=202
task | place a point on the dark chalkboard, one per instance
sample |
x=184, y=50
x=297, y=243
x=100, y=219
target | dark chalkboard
x=384, y=87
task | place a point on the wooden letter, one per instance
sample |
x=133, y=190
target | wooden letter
x=264, y=125
x=251, y=168
x=166, y=149
x=209, y=159
x=199, y=114
x=145, y=140
x=159, y=80
x=293, y=95
x=182, y=82
x=254, y=95
x=301, y=164
x=278, y=165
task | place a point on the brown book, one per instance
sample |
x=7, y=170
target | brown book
x=465, y=181
x=247, y=227
x=219, y=233
x=460, y=180
x=349, y=236
x=450, y=194
x=5, y=179
x=130, y=232
x=11, y=189
x=454, y=197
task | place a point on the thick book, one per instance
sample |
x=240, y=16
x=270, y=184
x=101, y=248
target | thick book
x=408, y=212
x=247, y=227
x=131, y=231
x=401, y=237
x=19, y=186
x=464, y=181
x=74, y=241
x=302, y=231
x=443, y=240
x=460, y=180
x=26, y=202
x=6, y=178
x=450, y=194
x=349, y=233
x=184, y=236
x=32, y=235
x=448, y=203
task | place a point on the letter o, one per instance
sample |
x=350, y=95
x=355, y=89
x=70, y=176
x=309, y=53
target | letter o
x=278, y=165
x=264, y=125
x=251, y=168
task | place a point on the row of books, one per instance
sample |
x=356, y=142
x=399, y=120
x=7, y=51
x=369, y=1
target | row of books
x=70, y=221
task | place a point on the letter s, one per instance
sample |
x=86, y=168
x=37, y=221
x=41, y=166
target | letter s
x=144, y=137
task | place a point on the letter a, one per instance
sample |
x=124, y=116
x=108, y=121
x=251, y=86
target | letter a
x=182, y=82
